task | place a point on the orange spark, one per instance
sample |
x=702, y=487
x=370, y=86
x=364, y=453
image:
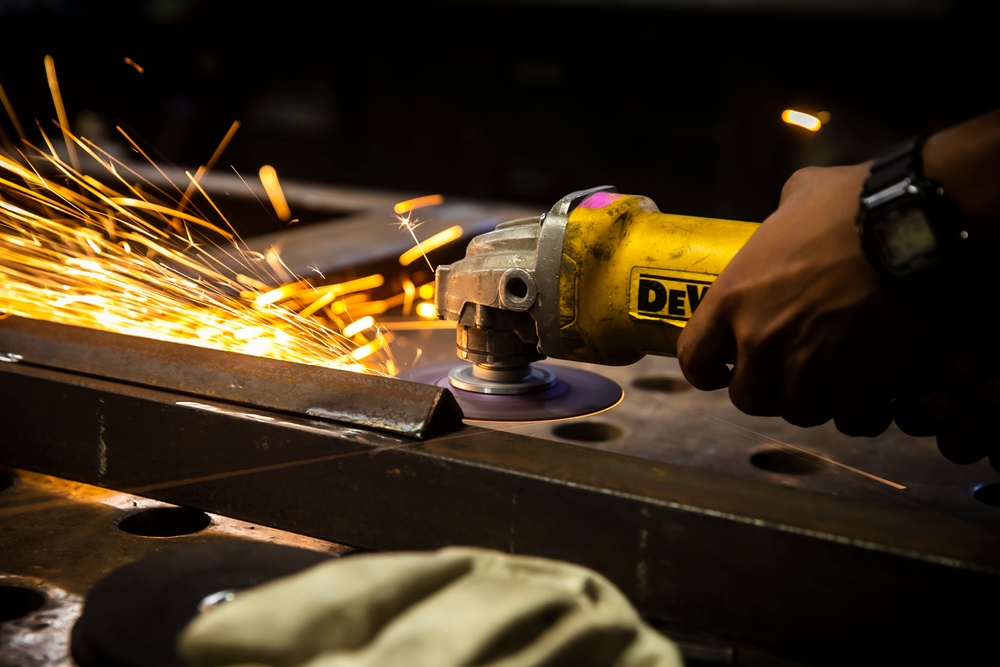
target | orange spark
x=98, y=250
x=207, y=167
x=359, y=325
x=402, y=211
x=10, y=112
x=269, y=179
x=434, y=242
x=415, y=203
x=50, y=72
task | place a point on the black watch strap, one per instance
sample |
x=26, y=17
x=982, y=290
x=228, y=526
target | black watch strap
x=899, y=162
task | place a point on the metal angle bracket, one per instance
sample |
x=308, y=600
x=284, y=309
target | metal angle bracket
x=371, y=401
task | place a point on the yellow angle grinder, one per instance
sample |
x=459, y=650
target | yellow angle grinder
x=602, y=278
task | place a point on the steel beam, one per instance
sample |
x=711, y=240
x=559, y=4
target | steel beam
x=370, y=401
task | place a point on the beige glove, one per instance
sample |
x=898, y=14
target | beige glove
x=456, y=607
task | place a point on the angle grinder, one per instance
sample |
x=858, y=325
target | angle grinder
x=602, y=278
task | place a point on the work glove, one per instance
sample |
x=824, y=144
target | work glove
x=455, y=607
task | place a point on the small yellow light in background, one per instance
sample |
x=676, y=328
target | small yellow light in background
x=134, y=65
x=808, y=121
x=426, y=291
x=269, y=179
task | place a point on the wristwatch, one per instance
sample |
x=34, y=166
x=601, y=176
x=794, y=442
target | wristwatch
x=910, y=230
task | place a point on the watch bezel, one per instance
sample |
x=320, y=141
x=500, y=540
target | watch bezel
x=895, y=186
x=891, y=209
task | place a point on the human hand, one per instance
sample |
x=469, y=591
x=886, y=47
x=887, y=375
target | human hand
x=955, y=395
x=801, y=317
x=455, y=607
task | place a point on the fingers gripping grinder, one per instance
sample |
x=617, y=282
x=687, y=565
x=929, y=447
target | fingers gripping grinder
x=603, y=277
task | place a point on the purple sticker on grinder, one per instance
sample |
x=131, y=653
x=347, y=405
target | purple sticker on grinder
x=600, y=199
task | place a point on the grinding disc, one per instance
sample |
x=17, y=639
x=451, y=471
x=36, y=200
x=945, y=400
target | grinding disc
x=575, y=393
x=133, y=616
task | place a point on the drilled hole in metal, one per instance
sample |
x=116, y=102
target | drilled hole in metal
x=517, y=288
x=17, y=601
x=6, y=480
x=661, y=383
x=587, y=431
x=989, y=494
x=788, y=462
x=165, y=522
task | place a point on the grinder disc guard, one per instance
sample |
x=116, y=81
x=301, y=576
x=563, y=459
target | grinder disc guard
x=575, y=393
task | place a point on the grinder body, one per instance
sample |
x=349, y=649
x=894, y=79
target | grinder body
x=603, y=278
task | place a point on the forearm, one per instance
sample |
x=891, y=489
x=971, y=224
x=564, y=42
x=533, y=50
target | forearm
x=965, y=160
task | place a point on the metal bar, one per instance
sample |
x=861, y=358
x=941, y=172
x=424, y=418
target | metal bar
x=809, y=576
x=385, y=404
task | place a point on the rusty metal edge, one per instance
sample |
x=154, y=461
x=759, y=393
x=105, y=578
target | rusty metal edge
x=371, y=401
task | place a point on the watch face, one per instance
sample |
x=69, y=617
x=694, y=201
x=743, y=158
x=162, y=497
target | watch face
x=907, y=240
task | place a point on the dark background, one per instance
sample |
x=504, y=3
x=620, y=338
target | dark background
x=503, y=100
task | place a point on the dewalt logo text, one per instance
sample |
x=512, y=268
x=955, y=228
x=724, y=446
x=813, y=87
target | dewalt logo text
x=656, y=294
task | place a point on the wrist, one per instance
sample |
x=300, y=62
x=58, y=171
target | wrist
x=965, y=160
